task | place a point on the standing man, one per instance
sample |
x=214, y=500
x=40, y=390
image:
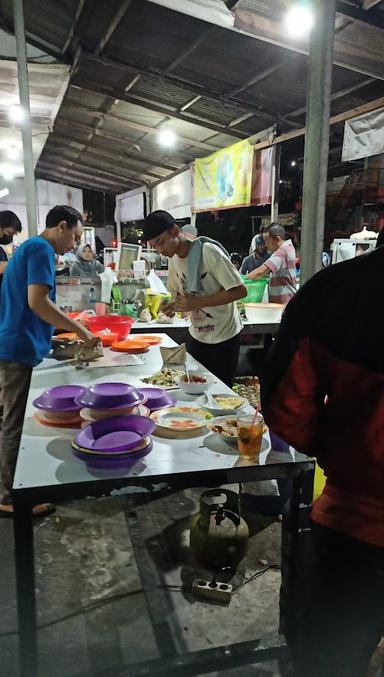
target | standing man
x=323, y=392
x=258, y=256
x=281, y=265
x=215, y=322
x=9, y=226
x=28, y=316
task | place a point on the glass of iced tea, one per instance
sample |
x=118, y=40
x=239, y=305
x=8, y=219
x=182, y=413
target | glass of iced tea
x=249, y=435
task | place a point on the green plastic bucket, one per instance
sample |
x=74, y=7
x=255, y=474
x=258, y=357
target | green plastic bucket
x=255, y=289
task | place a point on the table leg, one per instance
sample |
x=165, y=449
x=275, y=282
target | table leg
x=25, y=584
x=295, y=540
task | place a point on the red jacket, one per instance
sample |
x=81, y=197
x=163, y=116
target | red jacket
x=323, y=390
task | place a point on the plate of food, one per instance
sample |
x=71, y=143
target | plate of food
x=221, y=404
x=195, y=383
x=166, y=379
x=180, y=421
x=226, y=427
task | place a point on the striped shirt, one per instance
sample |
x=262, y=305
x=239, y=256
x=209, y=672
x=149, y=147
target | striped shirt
x=282, y=264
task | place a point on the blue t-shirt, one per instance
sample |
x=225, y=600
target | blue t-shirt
x=24, y=337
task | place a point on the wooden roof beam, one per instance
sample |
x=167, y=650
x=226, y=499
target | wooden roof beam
x=117, y=17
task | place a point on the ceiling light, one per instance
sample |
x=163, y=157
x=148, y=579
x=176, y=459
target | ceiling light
x=299, y=20
x=281, y=181
x=8, y=173
x=12, y=153
x=167, y=138
x=16, y=114
x=4, y=192
x=293, y=163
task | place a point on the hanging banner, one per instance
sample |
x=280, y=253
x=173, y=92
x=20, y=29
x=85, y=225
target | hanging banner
x=224, y=179
x=263, y=176
x=364, y=136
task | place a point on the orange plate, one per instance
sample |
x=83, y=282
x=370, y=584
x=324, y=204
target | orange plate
x=129, y=346
x=149, y=340
x=75, y=423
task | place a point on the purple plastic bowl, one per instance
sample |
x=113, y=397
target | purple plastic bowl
x=112, y=463
x=157, y=398
x=59, y=398
x=110, y=396
x=118, y=433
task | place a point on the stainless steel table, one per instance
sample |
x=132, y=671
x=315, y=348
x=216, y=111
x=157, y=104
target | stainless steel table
x=48, y=471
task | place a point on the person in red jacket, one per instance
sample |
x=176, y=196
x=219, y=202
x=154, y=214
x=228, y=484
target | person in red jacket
x=323, y=392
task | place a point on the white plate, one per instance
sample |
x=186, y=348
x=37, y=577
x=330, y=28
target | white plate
x=178, y=421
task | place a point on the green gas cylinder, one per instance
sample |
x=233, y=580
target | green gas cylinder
x=219, y=535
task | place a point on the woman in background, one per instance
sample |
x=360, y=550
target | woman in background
x=86, y=265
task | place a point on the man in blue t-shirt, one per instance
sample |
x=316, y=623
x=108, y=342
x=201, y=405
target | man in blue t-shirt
x=28, y=315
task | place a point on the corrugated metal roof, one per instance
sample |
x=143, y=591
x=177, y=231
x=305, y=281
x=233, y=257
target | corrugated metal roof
x=160, y=67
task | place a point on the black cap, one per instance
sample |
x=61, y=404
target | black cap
x=157, y=223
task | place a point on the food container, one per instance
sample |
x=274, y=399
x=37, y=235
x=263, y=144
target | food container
x=264, y=313
x=117, y=324
x=255, y=289
x=110, y=396
x=195, y=387
x=59, y=398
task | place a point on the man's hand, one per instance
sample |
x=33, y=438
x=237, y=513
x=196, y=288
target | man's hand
x=259, y=272
x=185, y=304
x=167, y=307
x=89, y=340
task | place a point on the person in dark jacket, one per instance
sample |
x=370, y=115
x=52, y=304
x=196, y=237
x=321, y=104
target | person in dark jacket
x=257, y=258
x=323, y=392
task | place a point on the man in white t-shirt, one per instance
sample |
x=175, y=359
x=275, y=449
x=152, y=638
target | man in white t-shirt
x=215, y=321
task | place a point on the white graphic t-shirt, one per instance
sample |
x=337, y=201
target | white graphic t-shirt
x=219, y=323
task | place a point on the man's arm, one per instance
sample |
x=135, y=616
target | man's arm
x=188, y=303
x=40, y=303
x=261, y=271
x=3, y=265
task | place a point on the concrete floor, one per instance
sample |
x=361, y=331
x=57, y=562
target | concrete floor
x=92, y=613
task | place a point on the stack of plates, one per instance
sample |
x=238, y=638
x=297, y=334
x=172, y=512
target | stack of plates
x=136, y=344
x=114, y=443
x=103, y=400
x=57, y=406
x=92, y=415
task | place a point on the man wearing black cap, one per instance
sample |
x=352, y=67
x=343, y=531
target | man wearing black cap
x=215, y=322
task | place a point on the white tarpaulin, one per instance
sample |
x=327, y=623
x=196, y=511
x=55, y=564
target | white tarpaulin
x=174, y=195
x=364, y=136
